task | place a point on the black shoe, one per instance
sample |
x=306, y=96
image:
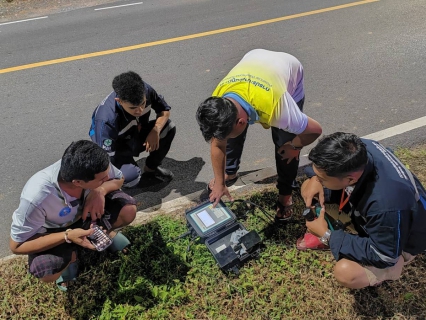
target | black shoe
x=159, y=173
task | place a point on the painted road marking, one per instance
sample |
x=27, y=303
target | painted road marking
x=182, y=38
x=182, y=202
x=17, y=21
x=395, y=130
x=185, y=201
x=398, y=129
x=123, y=5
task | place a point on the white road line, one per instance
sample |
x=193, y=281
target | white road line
x=401, y=128
x=123, y=5
x=2, y=24
x=172, y=205
x=395, y=130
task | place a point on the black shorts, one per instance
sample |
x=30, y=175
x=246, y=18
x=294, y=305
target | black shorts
x=54, y=260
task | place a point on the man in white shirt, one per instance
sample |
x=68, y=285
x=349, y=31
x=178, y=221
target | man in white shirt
x=47, y=225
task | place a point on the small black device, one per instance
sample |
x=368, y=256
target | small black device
x=309, y=214
x=230, y=243
x=99, y=239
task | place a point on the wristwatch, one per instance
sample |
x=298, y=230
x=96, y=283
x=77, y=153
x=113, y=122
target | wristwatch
x=294, y=147
x=324, y=239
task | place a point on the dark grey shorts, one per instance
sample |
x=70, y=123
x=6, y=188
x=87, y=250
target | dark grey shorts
x=54, y=260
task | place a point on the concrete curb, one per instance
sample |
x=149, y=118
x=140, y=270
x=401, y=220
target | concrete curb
x=251, y=180
x=257, y=180
x=254, y=181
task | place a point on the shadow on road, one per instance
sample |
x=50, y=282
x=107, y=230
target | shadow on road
x=183, y=183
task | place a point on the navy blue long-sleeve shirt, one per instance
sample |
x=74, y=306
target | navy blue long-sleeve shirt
x=392, y=218
x=115, y=130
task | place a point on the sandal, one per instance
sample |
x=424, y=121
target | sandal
x=284, y=213
x=119, y=243
x=68, y=275
x=228, y=183
x=310, y=242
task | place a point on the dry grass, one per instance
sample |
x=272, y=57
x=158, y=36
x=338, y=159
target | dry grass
x=415, y=160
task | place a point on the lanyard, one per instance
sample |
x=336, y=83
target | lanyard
x=343, y=202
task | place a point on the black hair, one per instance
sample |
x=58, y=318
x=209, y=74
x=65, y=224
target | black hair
x=339, y=154
x=130, y=87
x=216, y=117
x=82, y=160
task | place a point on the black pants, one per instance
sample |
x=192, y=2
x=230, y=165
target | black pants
x=127, y=164
x=286, y=172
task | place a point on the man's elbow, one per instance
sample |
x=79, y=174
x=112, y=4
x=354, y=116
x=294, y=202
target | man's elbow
x=317, y=129
x=313, y=128
x=317, y=132
x=14, y=247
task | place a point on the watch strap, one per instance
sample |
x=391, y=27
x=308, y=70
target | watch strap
x=326, y=237
x=294, y=147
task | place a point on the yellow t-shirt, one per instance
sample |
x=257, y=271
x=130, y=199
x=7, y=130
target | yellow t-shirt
x=270, y=82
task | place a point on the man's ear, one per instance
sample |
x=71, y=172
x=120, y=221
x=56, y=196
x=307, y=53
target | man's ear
x=353, y=178
x=77, y=183
x=242, y=121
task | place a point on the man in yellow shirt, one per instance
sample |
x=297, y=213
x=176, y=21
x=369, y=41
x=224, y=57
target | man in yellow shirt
x=264, y=87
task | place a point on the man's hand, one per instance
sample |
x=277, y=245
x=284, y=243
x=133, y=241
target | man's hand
x=313, y=188
x=79, y=236
x=218, y=191
x=286, y=151
x=318, y=226
x=95, y=204
x=152, y=142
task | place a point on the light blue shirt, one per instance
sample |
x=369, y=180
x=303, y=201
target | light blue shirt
x=253, y=116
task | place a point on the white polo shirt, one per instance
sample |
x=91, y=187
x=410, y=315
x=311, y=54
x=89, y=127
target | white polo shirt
x=44, y=205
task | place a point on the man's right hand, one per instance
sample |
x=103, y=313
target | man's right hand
x=313, y=188
x=79, y=236
x=218, y=191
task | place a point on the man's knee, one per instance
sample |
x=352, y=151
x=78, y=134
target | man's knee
x=131, y=173
x=168, y=131
x=127, y=214
x=342, y=272
x=350, y=274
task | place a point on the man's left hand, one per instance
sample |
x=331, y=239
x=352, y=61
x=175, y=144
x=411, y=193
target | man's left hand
x=152, y=142
x=287, y=152
x=95, y=204
x=318, y=226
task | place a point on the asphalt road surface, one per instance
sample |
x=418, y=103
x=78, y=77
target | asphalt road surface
x=364, y=72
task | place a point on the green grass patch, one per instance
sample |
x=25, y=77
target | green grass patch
x=161, y=279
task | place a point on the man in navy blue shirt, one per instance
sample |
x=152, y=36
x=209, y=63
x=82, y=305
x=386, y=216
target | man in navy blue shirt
x=386, y=204
x=121, y=126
